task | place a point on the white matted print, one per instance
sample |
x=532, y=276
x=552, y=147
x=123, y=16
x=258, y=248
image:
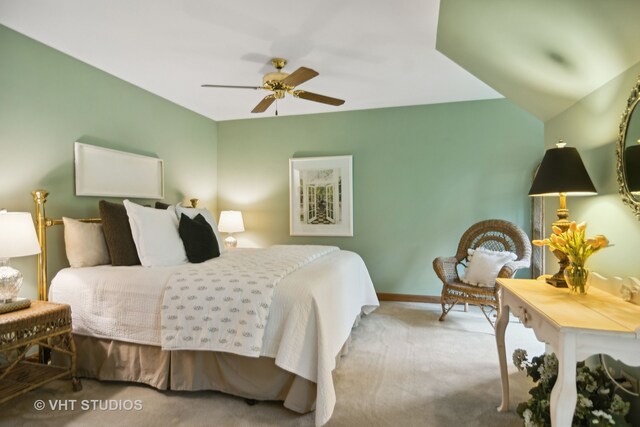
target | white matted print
x=321, y=196
x=105, y=172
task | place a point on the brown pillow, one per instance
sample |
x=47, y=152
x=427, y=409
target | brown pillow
x=117, y=233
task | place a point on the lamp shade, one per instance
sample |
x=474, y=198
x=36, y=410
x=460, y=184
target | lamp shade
x=231, y=222
x=632, y=168
x=562, y=171
x=17, y=235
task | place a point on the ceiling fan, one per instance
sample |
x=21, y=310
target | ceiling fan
x=281, y=83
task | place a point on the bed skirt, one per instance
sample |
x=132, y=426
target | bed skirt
x=247, y=377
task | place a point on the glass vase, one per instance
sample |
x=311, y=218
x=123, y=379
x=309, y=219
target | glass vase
x=577, y=278
x=10, y=281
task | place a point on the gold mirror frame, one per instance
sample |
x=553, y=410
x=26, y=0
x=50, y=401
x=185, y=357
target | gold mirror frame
x=623, y=189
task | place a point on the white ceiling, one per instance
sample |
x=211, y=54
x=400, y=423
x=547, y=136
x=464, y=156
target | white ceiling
x=372, y=53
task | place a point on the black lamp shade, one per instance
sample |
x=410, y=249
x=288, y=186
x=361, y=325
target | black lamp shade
x=562, y=171
x=632, y=167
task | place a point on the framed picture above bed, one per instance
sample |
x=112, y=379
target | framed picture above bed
x=321, y=196
x=105, y=172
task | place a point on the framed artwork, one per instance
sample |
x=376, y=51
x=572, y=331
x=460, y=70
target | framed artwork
x=105, y=172
x=321, y=196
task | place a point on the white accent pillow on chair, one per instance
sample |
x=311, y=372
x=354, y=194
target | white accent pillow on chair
x=485, y=265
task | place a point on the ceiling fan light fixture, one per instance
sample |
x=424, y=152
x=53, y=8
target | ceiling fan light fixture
x=282, y=83
x=272, y=78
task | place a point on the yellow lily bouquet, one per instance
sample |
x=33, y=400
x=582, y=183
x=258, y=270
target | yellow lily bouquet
x=578, y=249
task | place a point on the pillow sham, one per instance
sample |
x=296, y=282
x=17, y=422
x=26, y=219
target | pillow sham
x=155, y=233
x=84, y=243
x=485, y=265
x=117, y=234
x=192, y=212
x=200, y=243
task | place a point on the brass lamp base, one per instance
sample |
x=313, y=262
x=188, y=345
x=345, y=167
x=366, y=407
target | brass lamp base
x=558, y=283
x=557, y=279
x=563, y=223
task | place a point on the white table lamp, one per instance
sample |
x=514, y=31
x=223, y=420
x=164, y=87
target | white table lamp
x=17, y=238
x=230, y=222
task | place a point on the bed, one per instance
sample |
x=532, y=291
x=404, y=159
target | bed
x=119, y=316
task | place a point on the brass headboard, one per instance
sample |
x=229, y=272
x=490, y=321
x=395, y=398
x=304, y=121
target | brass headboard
x=42, y=223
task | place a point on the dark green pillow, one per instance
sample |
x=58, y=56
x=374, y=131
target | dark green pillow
x=161, y=205
x=198, y=238
x=117, y=233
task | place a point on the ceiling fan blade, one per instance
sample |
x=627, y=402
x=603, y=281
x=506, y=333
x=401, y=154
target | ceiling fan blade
x=310, y=96
x=264, y=104
x=233, y=87
x=299, y=76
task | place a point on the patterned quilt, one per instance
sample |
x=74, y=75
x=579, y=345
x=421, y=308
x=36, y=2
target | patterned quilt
x=224, y=305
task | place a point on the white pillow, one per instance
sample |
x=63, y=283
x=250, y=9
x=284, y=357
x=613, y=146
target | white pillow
x=193, y=212
x=155, y=233
x=84, y=243
x=484, y=266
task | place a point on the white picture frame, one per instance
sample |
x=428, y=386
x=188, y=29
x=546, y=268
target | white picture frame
x=321, y=196
x=105, y=172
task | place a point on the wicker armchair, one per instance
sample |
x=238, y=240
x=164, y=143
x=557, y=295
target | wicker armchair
x=492, y=234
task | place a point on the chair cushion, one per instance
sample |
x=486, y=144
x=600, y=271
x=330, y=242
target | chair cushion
x=485, y=265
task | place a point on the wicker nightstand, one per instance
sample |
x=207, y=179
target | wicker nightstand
x=44, y=324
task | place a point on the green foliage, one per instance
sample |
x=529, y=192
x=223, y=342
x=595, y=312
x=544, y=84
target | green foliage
x=597, y=403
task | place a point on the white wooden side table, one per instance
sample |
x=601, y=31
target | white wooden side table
x=576, y=327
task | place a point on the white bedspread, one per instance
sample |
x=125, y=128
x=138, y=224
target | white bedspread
x=312, y=311
x=224, y=306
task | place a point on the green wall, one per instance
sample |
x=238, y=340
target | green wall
x=49, y=100
x=422, y=175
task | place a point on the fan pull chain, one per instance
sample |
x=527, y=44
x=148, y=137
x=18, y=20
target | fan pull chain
x=276, y=107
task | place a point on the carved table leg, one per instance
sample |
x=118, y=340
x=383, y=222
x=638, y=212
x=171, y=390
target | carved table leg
x=564, y=393
x=501, y=326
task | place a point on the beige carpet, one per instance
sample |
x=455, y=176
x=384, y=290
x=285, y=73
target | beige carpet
x=404, y=368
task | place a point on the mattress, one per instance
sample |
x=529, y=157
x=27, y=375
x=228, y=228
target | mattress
x=312, y=311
